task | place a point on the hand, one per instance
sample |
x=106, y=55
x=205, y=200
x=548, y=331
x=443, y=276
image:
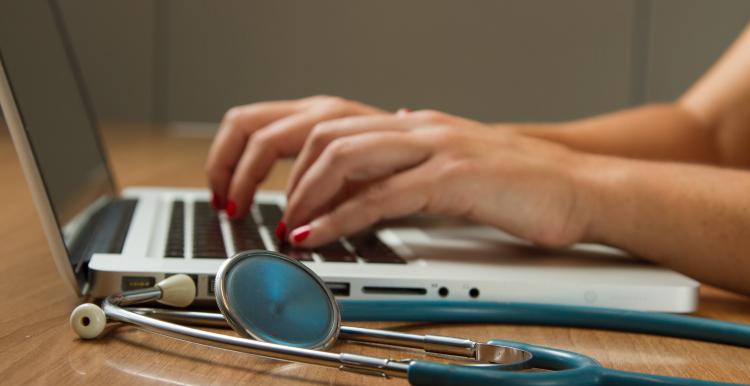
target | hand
x=353, y=172
x=252, y=137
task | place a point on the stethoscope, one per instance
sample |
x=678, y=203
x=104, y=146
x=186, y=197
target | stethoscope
x=285, y=311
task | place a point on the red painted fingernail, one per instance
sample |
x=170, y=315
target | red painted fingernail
x=281, y=231
x=300, y=234
x=215, y=201
x=231, y=208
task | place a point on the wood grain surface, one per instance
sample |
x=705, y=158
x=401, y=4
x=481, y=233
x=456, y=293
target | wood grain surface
x=37, y=346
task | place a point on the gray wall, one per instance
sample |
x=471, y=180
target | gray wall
x=171, y=61
x=115, y=46
x=686, y=37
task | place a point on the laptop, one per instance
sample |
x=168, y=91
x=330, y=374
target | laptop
x=105, y=240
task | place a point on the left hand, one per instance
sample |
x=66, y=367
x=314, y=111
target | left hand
x=353, y=172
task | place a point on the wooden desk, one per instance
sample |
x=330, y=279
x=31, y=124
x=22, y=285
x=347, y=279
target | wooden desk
x=37, y=346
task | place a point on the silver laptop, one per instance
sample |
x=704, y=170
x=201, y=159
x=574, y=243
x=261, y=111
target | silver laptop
x=104, y=240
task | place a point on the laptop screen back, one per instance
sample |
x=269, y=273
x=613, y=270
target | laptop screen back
x=53, y=109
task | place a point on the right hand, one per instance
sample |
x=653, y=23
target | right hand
x=253, y=136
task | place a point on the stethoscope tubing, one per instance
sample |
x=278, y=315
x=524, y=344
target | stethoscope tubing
x=655, y=323
x=569, y=368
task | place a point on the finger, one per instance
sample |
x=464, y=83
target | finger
x=238, y=125
x=326, y=132
x=356, y=158
x=281, y=138
x=400, y=195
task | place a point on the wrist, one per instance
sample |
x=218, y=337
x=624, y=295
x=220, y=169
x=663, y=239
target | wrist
x=602, y=186
x=552, y=132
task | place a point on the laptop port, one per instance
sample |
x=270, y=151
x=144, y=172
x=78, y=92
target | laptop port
x=394, y=290
x=137, y=282
x=474, y=293
x=211, y=285
x=338, y=289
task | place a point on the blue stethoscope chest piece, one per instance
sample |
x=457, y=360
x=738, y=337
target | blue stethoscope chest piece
x=272, y=299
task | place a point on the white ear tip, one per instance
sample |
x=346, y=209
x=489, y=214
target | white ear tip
x=177, y=290
x=88, y=321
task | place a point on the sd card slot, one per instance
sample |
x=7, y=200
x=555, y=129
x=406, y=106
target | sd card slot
x=394, y=290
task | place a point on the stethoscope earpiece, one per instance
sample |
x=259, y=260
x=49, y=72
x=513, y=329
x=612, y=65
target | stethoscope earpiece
x=88, y=321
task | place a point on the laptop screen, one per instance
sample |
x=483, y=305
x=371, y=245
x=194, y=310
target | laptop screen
x=53, y=109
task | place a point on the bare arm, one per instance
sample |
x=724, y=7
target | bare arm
x=710, y=123
x=692, y=218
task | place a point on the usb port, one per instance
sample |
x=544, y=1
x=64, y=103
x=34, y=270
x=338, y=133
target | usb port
x=137, y=282
x=211, y=285
x=338, y=289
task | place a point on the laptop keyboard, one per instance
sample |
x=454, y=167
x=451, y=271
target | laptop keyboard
x=246, y=235
x=369, y=247
x=176, y=240
x=208, y=242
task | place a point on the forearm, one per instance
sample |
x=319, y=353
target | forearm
x=656, y=132
x=694, y=219
x=710, y=123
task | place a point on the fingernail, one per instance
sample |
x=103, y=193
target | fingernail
x=403, y=111
x=231, y=208
x=215, y=201
x=300, y=234
x=281, y=231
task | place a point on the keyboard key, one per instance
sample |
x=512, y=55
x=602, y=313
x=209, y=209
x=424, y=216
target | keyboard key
x=299, y=254
x=336, y=252
x=246, y=235
x=176, y=237
x=207, y=240
x=369, y=247
x=271, y=215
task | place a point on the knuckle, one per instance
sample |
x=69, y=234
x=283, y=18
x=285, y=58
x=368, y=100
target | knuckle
x=442, y=136
x=244, y=112
x=263, y=139
x=339, y=150
x=318, y=97
x=331, y=104
x=334, y=223
x=321, y=134
x=431, y=115
x=375, y=195
x=235, y=116
x=232, y=115
x=372, y=208
x=458, y=168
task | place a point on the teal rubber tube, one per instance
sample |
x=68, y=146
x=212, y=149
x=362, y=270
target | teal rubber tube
x=570, y=369
x=681, y=326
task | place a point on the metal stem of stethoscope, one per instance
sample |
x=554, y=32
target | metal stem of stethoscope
x=88, y=320
x=347, y=362
x=430, y=344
